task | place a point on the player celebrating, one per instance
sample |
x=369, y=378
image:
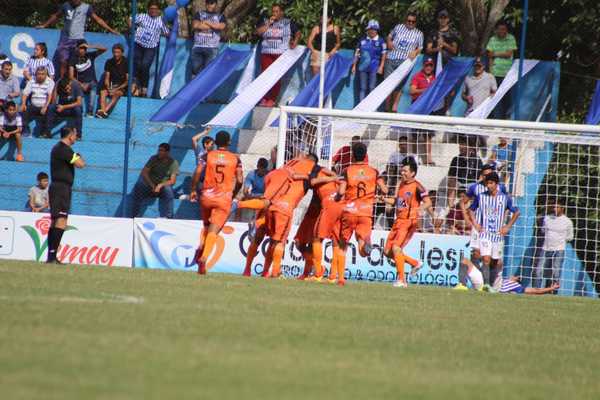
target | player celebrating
x=304, y=235
x=491, y=207
x=63, y=161
x=473, y=191
x=223, y=178
x=357, y=188
x=409, y=197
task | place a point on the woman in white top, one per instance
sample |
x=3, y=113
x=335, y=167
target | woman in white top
x=38, y=59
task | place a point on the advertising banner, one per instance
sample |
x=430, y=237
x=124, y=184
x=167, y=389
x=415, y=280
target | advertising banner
x=171, y=244
x=87, y=240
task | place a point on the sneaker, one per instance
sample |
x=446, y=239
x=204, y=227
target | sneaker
x=55, y=261
x=461, y=287
x=414, y=270
x=341, y=283
x=315, y=279
x=303, y=277
x=488, y=288
x=19, y=158
x=331, y=281
x=400, y=284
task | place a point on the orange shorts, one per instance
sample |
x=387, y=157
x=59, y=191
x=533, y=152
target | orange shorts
x=277, y=182
x=359, y=225
x=304, y=234
x=278, y=225
x=215, y=210
x=329, y=224
x=400, y=234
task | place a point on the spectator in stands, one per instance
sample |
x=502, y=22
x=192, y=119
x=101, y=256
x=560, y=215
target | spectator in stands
x=273, y=158
x=254, y=184
x=39, y=59
x=500, y=157
x=343, y=157
x=115, y=81
x=455, y=220
x=38, y=195
x=11, y=126
x=558, y=230
x=83, y=70
x=149, y=27
x=76, y=14
x=428, y=224
x=419, y=84
x=464, y=168
x=9, y=84
x=36, y=100
x=369, y=58
x=157, y=180
x=501, y=50
x=444, y=40
x=68, y=103
x=207, y=143
x=398, y=157
x=208, y=26
x=478, y=87
x=333, y=42
x=278, y=34
x=404, y=42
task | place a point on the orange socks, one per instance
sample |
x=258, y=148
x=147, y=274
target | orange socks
x=277, y=257
x=341, y=265
x=209, y=243
x=255, y=204
x=399, y=259
x=413, y=263
x=308, y=263
x=268, y=261
x=317, y=256
x=252, y=251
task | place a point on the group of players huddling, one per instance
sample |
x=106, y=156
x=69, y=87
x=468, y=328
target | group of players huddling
x=342, y=206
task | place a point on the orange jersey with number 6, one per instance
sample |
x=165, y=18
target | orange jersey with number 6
x=361, y=182
x=221, y=167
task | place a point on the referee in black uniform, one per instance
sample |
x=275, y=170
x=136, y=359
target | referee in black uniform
x=63, y=161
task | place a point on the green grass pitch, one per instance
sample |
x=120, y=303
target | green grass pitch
x=100, y=333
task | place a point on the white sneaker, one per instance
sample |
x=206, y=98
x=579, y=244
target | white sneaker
x=400, y=284
x=414, y=270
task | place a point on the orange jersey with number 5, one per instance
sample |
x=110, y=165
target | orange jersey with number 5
x=220, y=168
x=361, y=182
x=408, y=200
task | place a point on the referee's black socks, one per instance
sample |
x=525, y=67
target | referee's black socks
x=54, y=238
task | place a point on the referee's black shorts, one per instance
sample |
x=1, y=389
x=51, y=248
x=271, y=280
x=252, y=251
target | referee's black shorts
x=60, y=199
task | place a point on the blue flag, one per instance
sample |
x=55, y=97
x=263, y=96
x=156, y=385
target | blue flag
x=203, y=85
x=593, y=116
x=168, y=62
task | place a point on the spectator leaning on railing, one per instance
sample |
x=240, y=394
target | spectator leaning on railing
x=36, y=100
x=149, y=27
x=333, y=42
x=369, y=59
x=444, y=40
x=208, y=26
x=76, y=14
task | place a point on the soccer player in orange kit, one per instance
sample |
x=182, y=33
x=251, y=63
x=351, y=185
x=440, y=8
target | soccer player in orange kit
x=223, y=178
x=408, y=199
x=358, y=186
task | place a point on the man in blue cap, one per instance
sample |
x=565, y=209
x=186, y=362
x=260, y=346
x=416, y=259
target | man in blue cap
x=370, y=58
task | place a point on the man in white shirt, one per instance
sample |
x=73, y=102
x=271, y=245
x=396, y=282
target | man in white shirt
x=37, y=97
x=397, y=157
x=558, y=230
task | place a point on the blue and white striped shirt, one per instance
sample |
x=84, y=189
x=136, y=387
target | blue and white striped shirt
x=212, y=37
x=148, y=30
x=405, y=40
x=492, y=212
x=276, y=39
x=509, y=286
x=33, y=63
x=477, y=188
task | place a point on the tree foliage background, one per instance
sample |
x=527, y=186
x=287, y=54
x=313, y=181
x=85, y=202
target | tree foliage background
x=563, y=30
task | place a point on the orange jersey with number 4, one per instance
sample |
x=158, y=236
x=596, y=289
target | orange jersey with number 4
x=408, y=200
x=220, y=168
x=361, y=182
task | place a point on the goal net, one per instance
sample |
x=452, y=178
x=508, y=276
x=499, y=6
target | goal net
x=552, y=172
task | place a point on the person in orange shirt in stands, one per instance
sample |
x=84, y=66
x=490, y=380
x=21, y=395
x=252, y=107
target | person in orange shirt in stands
x=408, y=199
x=358, y=186
x=223, y=178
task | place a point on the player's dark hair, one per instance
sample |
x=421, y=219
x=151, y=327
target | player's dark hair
x=66, y=131
x=262, y=163
x=42, y=175
x=62, y=85
x=359, y=151
x=153, y=3
x=355, y=138
x=403, y=138
x=313, y=157
x=278, y=5
x=411, y=164
x=502, y=22
x=44, y=48
x=411, y=14
x=485, y=167
x=222, y=139
x=206, y=139
x=9, y=104
x=492, y=177
x=5, y=63
x=165, y=146
x=118, y=46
